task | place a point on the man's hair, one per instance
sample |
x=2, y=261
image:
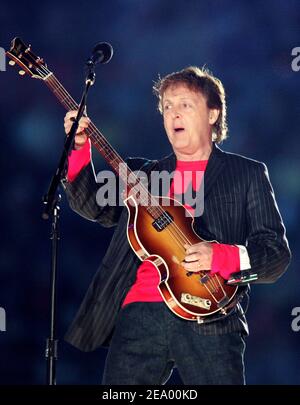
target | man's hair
x=198, y=80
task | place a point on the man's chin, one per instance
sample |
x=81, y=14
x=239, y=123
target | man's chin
x=180, y=147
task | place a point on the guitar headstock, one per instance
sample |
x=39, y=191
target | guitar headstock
x=31, y=64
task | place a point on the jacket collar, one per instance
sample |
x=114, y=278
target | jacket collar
x=214, y=167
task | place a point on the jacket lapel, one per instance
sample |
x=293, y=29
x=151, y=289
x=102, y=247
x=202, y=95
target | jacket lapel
x=214, y=168
x=167, y=164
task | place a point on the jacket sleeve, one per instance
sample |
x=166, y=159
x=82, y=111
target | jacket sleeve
x=82, y=194
x=267, y=245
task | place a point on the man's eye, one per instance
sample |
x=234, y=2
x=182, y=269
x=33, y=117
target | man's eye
x=167, y=107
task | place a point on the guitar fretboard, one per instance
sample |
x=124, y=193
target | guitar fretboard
x=104, y=148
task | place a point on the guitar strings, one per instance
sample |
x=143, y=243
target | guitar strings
x=64, y=97
x=73, y=105
x=62, y=92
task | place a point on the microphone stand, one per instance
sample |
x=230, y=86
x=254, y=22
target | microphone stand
x=51, y=202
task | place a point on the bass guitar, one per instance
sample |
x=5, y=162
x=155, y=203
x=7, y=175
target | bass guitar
x=156, y=232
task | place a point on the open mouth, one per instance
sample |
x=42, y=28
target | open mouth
x=178, y=130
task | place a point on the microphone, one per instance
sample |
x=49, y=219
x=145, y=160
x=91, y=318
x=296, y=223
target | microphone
x=102, y=53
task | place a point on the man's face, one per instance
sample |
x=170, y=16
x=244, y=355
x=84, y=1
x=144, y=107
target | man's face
x=187, y=119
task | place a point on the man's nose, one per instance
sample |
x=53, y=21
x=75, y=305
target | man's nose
x=175, y=113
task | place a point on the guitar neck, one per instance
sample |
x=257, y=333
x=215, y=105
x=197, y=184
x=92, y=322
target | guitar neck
x=35, y=66
x=114, y=160
x=98, y=140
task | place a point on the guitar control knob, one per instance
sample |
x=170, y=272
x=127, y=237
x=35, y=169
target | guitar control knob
x=22, y=72
x=12, y=63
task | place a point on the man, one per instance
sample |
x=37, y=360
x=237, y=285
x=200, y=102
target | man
x=123, y=306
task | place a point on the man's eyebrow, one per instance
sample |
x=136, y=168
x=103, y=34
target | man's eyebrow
x=180, y=98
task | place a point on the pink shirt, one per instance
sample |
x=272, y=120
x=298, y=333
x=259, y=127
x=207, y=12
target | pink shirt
x=78, y=159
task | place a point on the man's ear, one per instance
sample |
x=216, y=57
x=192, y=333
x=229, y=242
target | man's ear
x=213, y=115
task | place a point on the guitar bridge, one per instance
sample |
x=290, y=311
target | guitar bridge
x=162, y=221
x=196, y=301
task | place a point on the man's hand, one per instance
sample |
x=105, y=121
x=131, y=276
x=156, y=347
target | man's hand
x=198, y=257
x=84, y=122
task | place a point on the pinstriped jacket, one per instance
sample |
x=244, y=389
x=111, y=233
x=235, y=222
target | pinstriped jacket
x=239, y=208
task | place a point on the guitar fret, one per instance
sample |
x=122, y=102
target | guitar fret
x=47, y=76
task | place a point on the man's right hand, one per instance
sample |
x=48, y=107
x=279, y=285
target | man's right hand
x=81, y=136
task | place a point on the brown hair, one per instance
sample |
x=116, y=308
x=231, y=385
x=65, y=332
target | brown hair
x=199, y=80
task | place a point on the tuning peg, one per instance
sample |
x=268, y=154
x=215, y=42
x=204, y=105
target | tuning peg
x=28, y=49
x=12, y=63
x=22, y=72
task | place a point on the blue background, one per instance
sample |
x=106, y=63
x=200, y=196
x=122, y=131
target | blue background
x=247, y=44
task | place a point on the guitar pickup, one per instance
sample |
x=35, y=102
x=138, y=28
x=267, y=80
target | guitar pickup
x=162, y=221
